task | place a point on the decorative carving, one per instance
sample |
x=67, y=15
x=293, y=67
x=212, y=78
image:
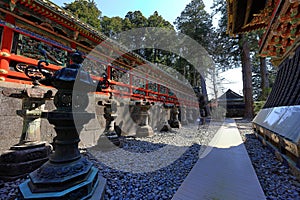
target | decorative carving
x=57, y=171
x=3, y=71
x=35, y=49
x=77, y=194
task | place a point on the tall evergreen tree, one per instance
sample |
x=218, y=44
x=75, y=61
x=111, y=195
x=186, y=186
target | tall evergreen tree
x=247, y=76
x=111, y=26
x=86, y=11
x=137, y=19
x=224, y=48
x=195, y=22
x=234, y=52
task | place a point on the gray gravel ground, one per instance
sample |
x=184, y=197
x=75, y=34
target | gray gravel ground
x=162, y=183
x=160, y=174
x=276, y=180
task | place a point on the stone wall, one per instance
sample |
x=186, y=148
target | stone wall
x=92, y=131
x=11, y=123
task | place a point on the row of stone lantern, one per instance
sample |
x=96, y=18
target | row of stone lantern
x=140, y=113
x=68, y=175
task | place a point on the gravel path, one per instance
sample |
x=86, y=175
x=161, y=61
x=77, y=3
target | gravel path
x=144, y=168
x=276, y=180
x=154, y=168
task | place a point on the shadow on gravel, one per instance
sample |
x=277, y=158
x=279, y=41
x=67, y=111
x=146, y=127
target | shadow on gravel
x=158, y=184
x=274, y=176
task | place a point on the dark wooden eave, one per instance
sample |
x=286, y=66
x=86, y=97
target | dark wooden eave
x=230, y=95
x=280, y=20
x=241, y=13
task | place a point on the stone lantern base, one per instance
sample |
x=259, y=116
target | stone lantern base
x=175, y=124
x=144, y=131
x=166, y=127
x=22, y=159
x=108, y=143
x=76, y=180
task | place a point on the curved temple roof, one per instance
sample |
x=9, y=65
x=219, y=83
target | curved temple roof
x=280, y=19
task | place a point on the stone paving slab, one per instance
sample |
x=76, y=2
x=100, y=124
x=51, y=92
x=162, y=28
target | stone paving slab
x=225, y=173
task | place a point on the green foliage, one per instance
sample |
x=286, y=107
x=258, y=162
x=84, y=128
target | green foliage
x=195, y=22
x=224, y=48
x=137, y=19
x=114, y=25
x=86, y=11
x=111, y=26
x=258, y=105
x=156, y=20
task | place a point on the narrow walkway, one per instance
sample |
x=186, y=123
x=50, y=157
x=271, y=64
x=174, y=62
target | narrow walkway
x=225, y=173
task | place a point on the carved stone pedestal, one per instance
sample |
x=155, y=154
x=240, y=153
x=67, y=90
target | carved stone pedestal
x=67, y=175
x=75, y=180
x=20, y=160
x=184, y=120
x=174, y=122
x=144, y=130
x=166, y=127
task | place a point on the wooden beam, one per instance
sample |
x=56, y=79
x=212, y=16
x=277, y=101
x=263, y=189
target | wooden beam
x=248, y=11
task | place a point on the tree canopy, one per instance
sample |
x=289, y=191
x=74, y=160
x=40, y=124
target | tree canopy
x=195, y=22
x=86, y=10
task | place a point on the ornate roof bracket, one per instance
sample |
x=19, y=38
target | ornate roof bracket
x=280, y=19
x=282, y=35
x=12, y=4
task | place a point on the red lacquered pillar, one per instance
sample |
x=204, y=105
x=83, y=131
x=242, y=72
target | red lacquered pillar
x=7, y=40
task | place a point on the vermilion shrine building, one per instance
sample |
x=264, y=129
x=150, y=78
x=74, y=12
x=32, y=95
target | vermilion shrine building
x=277, y=124
x=32, y=30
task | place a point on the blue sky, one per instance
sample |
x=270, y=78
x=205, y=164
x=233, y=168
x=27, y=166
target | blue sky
x=169, y=9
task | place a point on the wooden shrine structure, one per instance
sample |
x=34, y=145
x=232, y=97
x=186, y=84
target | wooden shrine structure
x=233, y=103
x=277, y=124
x=34, y=30
x=31, y=30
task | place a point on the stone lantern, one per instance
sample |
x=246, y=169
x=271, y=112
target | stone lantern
x=30, y=153
x=144, y=129
x=190, y=116
x=165, y=126
x=67, y=175
x=110, y=137
x=174, y=121
x=184, y=120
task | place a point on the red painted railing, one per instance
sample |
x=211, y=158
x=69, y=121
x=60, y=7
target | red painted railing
x=121, y=89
